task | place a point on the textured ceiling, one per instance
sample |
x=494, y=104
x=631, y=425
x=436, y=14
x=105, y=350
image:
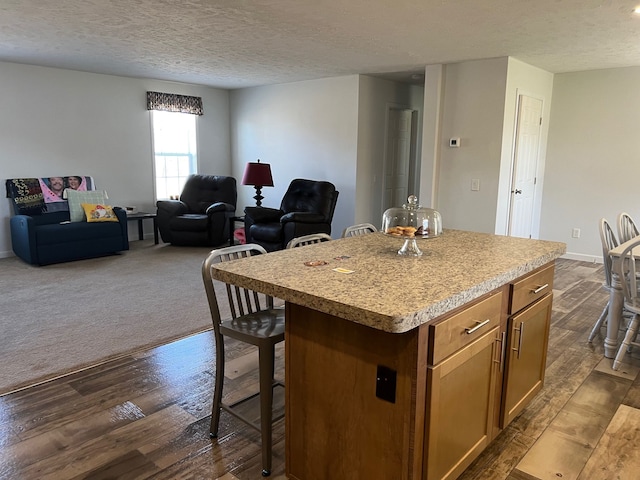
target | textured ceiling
x=241, y=43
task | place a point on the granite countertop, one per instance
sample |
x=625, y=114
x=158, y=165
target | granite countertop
x=387, y=291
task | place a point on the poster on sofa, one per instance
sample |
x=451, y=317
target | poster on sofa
x=53, y=187
x=32, y=195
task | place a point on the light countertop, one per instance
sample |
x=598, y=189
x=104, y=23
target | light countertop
x=387, y=291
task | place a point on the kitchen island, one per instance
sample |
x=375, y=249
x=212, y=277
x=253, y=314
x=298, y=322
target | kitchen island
x=405, y=367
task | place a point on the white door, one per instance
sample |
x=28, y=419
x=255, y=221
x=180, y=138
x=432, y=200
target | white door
x=525, y=164
x=397, y=160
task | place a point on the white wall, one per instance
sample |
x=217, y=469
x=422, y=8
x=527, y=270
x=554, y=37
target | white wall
x=303, y=130
x=476, y=101
x=63, y=122
x=375, y=97
x=432, y=144
x=473, y=110
x=593, y=156
x=522, y=79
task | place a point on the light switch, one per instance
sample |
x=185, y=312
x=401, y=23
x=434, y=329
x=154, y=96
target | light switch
x=475, y=185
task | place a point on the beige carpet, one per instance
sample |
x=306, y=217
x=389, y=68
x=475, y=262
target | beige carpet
x=61, y=318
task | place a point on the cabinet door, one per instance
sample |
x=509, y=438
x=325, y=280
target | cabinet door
x=460, y=406
x=528, y=339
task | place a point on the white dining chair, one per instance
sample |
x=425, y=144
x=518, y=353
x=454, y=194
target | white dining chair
x=627, y=228
x=608, y=241
x=626, y=271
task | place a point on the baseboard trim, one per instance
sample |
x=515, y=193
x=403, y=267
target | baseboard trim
x=7, y=254
x=582, y=257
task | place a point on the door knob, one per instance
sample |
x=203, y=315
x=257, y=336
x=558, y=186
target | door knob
x=516, y=191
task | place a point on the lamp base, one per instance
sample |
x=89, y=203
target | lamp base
x=258, y=196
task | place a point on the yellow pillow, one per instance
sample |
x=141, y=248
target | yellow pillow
x=99, y=213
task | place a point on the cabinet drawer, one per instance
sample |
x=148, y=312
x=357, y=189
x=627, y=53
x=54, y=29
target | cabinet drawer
x=457, y=331
x=531, y=288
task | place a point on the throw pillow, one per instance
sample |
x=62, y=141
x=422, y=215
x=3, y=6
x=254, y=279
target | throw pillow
x=99, y=213
x=76, y=198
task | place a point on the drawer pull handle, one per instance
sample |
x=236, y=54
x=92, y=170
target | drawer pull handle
x=539, y=289
x=477, y=327
x=521, y=331
x=503, y=350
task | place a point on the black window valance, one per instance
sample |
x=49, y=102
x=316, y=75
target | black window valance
x=171, y=102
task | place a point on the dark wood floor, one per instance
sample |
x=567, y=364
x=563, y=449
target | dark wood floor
x=147, y=415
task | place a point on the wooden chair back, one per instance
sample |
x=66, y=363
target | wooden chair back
x=609, y=242
x=626, y=269
x=627, y=228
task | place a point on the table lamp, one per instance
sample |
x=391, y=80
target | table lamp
x=259, y=175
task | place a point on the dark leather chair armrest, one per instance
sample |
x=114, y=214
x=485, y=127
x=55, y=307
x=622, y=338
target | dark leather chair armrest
x=302, y=217
x=217, y=207
x=172, y=207
x=263, y=214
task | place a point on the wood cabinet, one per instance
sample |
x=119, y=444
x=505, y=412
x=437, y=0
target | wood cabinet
x=463, y=386
x=365, y=404
x=475, y=387
x=528, y=335
x=461, y=402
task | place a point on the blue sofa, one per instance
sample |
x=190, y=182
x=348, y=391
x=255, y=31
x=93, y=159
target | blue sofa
x=42, y=233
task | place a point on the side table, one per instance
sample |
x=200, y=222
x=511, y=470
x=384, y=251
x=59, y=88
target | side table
x=140, y=216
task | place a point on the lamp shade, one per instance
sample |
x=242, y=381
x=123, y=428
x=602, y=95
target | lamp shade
x=257, y=174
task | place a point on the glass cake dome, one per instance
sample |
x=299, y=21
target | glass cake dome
x=411, y=222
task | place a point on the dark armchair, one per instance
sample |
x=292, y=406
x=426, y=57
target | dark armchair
x=201, y=216
x=307, y=207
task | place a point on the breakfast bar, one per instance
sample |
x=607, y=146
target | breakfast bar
x=405, y=367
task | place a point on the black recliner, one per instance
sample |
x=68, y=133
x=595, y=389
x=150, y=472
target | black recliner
x=201, y=217
x=307, y=207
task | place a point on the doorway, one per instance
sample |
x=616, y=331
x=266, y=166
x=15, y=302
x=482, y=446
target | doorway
x=525, y=165
x=399, y=178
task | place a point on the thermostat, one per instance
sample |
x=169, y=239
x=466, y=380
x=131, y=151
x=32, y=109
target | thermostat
x=454, y=142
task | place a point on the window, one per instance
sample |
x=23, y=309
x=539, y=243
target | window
x=175, y=151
